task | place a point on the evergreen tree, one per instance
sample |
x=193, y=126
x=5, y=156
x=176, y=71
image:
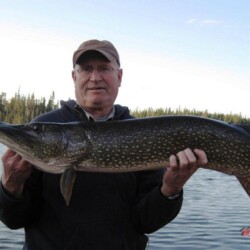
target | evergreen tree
x=22, y=109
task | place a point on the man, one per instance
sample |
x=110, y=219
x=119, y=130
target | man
x=106, y=211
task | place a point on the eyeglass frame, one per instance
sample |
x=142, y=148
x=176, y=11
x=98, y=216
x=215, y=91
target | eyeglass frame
x=102, y=69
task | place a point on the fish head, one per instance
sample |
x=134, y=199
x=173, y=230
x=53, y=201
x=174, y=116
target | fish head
x=35, y=142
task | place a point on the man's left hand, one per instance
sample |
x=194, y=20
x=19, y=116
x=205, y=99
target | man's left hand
x=181, y=167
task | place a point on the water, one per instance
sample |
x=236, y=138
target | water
x=214, y=211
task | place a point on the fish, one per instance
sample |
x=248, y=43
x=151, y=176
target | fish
x=130, y=145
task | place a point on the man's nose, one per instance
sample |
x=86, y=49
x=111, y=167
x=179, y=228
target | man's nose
x=95, y=75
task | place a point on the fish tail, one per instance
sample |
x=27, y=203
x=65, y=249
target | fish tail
x=245, y=182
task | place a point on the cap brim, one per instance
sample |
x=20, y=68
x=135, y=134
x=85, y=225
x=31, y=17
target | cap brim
x=105, y=54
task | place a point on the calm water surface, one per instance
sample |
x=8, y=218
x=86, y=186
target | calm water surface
x=214, y=211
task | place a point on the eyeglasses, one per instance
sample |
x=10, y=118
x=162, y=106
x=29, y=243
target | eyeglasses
x=102, y=70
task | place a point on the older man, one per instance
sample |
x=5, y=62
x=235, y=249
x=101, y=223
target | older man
x=106, y=211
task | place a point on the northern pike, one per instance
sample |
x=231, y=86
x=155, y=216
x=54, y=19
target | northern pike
x=129, y=145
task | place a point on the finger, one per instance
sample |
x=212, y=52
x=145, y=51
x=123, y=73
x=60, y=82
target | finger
x=12, y=160
x=15, y=163
x=173, y=163
x=9, y=153
x=201, y=157
x=192, y=161
x=17, y=157
x=183, y=160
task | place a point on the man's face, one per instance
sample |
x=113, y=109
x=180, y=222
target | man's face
x=96, y=83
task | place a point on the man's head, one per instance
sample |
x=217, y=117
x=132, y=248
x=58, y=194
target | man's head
x=104, y=47
x=97, y=76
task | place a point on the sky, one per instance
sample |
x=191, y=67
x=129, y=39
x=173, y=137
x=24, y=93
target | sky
x=191, y=54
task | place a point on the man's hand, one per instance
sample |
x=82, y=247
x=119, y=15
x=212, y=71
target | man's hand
x=181, y=167
x=15, y=172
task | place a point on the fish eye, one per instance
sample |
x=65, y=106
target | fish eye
x=38, y=128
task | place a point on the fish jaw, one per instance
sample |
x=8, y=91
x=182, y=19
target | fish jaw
x=16, y=138
x=36, y=144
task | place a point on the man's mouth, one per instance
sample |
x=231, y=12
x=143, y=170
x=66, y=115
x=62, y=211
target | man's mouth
x=96, y=88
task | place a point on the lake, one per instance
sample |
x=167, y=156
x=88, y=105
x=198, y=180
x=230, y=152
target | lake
x=214, y=211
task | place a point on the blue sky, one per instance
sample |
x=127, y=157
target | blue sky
x=174, y=53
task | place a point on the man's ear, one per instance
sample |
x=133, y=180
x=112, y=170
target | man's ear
x=120, y=73
x=73, y=74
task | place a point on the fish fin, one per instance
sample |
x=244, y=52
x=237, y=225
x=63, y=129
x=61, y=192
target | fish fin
x=245, y=182
x=67, y=183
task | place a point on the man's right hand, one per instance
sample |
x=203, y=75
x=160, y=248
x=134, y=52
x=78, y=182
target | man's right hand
x=16, y=170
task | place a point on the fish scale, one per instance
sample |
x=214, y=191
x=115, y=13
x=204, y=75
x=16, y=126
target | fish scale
x=129, y=145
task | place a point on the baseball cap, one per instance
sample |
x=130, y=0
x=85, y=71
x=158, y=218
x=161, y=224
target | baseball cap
x=106, y=48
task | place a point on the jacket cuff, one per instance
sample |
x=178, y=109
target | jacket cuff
x=174, y=197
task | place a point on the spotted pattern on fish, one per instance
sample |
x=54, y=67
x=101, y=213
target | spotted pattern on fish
x=130, y=145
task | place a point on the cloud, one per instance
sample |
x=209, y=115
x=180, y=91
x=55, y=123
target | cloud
x=191, y=21
x=208, y=22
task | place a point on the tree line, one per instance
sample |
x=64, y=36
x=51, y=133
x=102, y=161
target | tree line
x=231, y=118
x=23, y=108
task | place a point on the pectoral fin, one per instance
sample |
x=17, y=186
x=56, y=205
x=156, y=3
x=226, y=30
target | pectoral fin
x=245, y=182
x=67, y=183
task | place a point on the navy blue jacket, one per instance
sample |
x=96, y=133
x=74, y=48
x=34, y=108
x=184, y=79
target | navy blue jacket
x=106, y=211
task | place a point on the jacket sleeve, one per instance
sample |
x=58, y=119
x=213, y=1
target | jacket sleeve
x=17, y=213
x=152, y=210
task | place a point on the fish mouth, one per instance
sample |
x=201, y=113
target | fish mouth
x=16, y=137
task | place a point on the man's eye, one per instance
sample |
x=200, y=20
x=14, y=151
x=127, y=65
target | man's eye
x=87, y=69
x=104, y=69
